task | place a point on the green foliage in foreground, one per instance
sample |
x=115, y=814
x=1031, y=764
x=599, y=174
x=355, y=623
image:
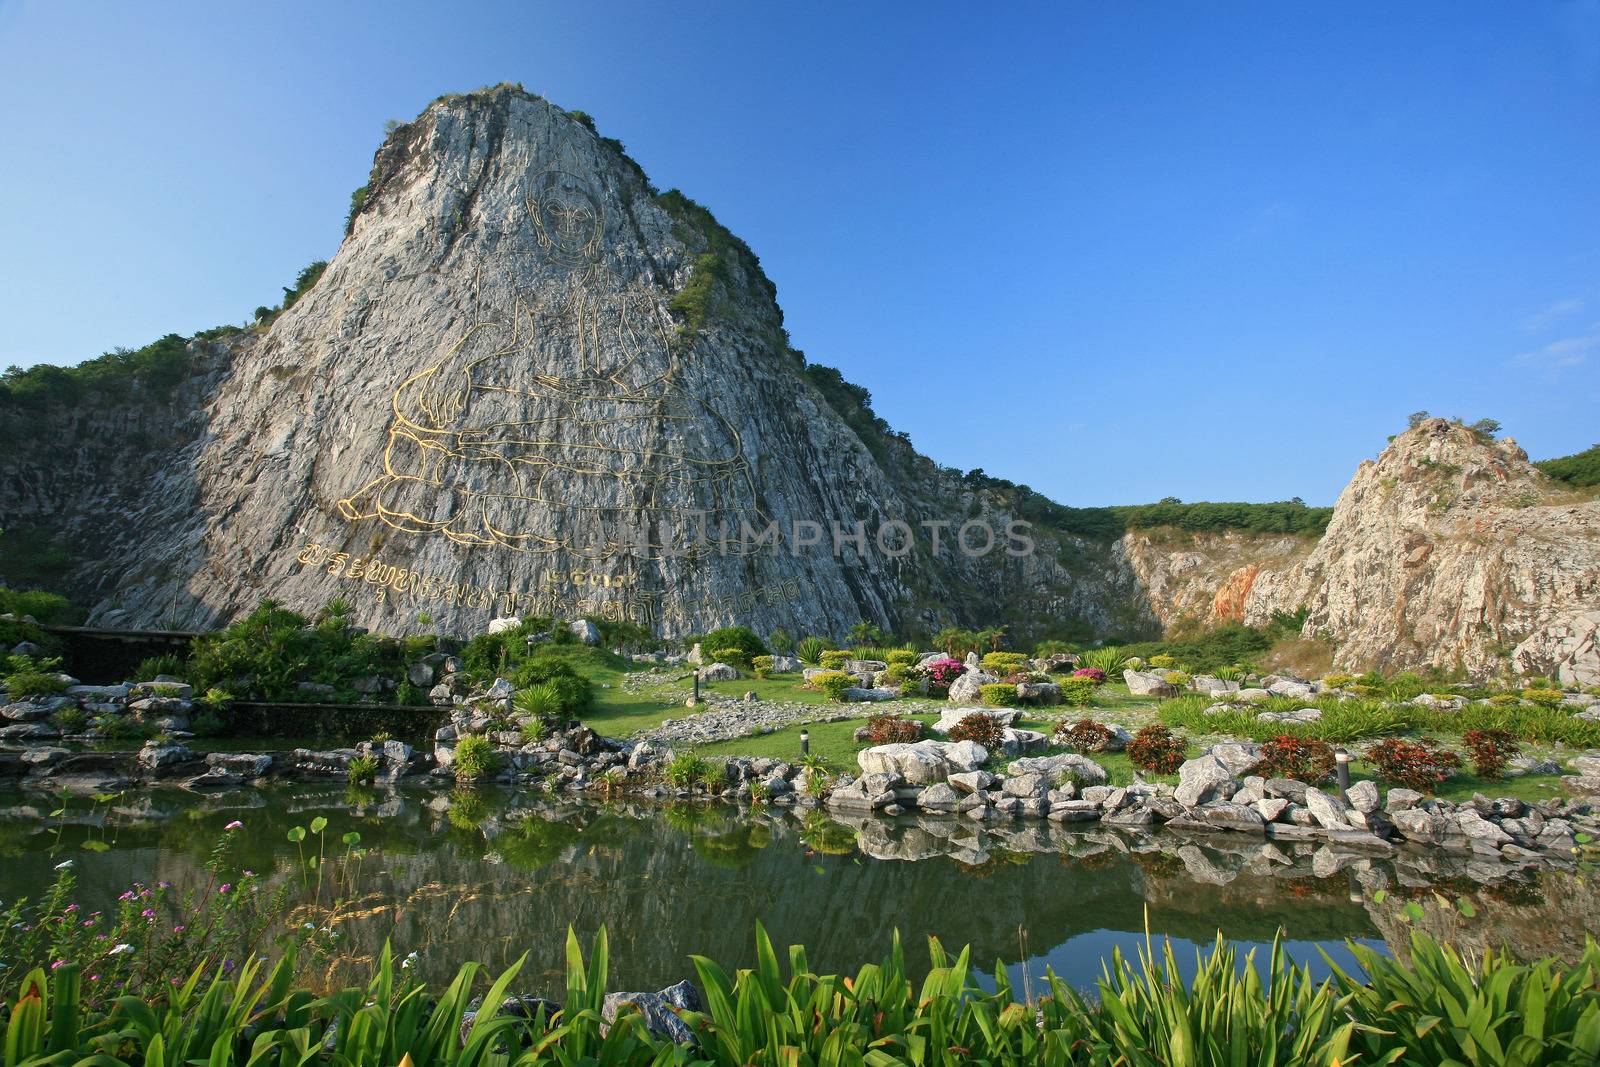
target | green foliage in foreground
x=1439, y=1009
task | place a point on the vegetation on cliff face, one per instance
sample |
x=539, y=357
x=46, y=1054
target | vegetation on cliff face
x=1580, y=470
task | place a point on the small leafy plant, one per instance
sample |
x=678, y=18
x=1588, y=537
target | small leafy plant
x=978, y=727
x=1491, y=750
x=362, y=770
x=1157, y=749
x=475, y=758
x=1419, y=765
x=1305, y=759
x=998, y=695
x=1085, y=736
x=893, y=729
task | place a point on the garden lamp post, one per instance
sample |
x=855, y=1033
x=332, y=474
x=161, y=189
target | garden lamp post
x=1341, y=762
x=805, y=743
x=697, y=685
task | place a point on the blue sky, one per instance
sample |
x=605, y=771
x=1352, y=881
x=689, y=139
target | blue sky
x=1114, y=251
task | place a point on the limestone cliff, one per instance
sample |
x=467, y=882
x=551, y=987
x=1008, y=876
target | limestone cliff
x=529, y=383
x=1201, y=580
x=1451, y=550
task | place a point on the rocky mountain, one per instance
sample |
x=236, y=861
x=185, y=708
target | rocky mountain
x=1451, y=550
x=529, y=383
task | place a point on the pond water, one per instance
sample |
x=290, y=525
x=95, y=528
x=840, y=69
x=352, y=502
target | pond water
x=492, y=874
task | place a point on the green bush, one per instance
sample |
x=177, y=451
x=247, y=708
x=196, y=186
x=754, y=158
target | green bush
x=362, y=770
x=810, y=650
x=475, y=758
x=762, y=666
x=554, y=668
x=1110, y=659
x=739, y=637
x=900, y=657
x=733, y=657
x=1079, y=692
x=780, y=643
x=834, y=683
x=897, y=673
x=1547, y=697
x=152, y=667
x=268, y=653
x=1002, y=662
x=833, y=659
x=49, y=609
x=1162, y=661
x=998, y=695
x=29, y=677
x=688, y=770
x=542, y=700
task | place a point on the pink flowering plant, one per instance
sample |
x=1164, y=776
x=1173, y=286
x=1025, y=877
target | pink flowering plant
x=941, y=673
x=1094, y=674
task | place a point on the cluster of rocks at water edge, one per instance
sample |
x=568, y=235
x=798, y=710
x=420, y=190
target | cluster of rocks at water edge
x=163, y=705
x=1217, y=791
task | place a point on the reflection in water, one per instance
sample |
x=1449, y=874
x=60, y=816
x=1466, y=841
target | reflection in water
x=488, y=875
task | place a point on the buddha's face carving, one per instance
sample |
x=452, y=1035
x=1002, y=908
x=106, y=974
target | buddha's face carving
x=567, y=217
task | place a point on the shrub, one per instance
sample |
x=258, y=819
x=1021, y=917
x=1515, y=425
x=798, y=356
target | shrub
x=1094, y=674
x=741, y=637
x=980, y=728
x=1157, y=749
x=999, y=695
x=762, y=666
x=475, y=758
x=1110, y=661
x=942, y=672
x=1002, y=662
x=893, y=729
x=900, y=657
x=1177, y=678
x=1162, y=662
x=1085, y=735
x=1491, y=750
x=734, y=657
x=362, y=770
x=29, y=677
x=154, y=666
x=810, y=650
x=1337, y=681
x=1305, y=759
x=1079, y=692
x=1419, y=765
x=72, y=719
x=541, y=700
x=689, y=770
x=1406, y=685
x=552, y=667
x=833, y=659
x=833, y=683
x=779, y=642
x=1505, y=700
x=897, y=673
x=1546, y=697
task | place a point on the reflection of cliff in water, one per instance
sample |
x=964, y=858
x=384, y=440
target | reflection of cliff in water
x=457, y=884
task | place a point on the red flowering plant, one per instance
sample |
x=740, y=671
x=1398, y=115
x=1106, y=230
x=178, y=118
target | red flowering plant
x=1305, y=759
x=1095, y=674
x=1157, y=749
x=1491, y=751
x=1419, y=765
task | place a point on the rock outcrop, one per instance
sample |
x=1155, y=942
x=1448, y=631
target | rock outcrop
x=1450, y=550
